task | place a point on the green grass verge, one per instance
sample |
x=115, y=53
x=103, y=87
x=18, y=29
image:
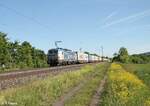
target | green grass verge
x=125, y=89
x=84, y=96
x=141, y=70
x=44, y=92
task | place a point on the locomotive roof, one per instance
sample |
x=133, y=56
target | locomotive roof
x=61, y=49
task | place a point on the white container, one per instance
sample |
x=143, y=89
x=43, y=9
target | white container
x=82, y=57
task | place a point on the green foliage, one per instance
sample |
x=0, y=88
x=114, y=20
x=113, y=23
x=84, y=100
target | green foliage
x=14, y=55
x=13, y=50
x=141, y=70
x=140, y=59
x=122, y=56
x=125, y=89
x=5, y=56
x=86, y=52
x=39, y=58
x=115, y=58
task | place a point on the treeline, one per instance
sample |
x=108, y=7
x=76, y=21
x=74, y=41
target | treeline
x=140, y=59
x=15, y=55
x=123, y=57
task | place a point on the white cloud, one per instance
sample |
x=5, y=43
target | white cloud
x=110, y=16
x=136, y=16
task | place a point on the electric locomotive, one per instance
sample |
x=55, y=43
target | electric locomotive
x=60, y=56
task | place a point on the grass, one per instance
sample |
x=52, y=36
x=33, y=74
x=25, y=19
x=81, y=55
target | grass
x=84, y=96
x=44, y=92
x=125, y=89
x=141, y=70
x=18, y=69
x=128, y=86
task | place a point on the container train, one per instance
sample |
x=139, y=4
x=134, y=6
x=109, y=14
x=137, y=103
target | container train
x=60, y=56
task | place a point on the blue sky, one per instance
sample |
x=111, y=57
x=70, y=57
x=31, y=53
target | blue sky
x=85, y=24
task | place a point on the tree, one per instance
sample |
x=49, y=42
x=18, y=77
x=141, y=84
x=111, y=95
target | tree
x=13, y=49
x=39, y=58
x=16, y=55
x=25, y=52
x=115, y=58
x=123, y=55
x=5, y=57
x=139, y=59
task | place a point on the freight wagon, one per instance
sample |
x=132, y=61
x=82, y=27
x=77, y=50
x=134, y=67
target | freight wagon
x=82, y=57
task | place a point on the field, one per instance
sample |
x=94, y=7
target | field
x=141, y=70
x=126, y=85
x=124, y=88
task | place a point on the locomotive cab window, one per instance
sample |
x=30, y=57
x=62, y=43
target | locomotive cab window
x=52, y=51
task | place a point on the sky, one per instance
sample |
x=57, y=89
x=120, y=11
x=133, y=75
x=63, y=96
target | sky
x=86, y=24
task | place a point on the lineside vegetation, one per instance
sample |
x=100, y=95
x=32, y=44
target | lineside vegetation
x=15, y=55
x=141, y=70
x=45, y=92
x=125, y=89
x=84, y=96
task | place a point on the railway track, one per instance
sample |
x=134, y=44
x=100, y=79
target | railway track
x=11, y=79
